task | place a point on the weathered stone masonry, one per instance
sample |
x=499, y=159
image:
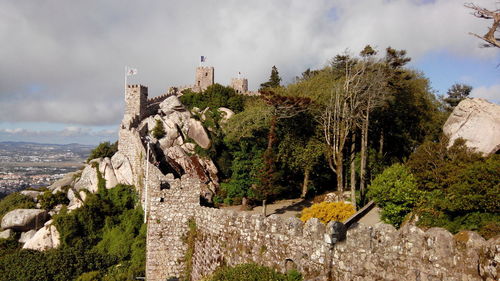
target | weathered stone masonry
x=229, y=238
x=367, y=253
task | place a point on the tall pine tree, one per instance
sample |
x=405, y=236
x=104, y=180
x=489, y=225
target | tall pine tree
x=274, y=80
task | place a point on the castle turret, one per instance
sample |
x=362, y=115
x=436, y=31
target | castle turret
x=136, y=99
x=240, y=85
x=204, y=77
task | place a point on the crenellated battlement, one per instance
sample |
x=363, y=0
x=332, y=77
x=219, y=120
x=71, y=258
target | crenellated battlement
x=159, y=99
x=136, y=86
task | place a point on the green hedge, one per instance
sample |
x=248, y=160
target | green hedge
x=252, y=272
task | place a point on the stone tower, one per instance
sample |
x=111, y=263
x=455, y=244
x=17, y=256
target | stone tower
x=136, y=99
x=204, y=77
x=240, y=85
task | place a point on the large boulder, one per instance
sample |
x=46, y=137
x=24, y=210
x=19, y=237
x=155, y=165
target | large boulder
x=6, y=234
x=477, y=121
x=46, y=238
x=203, y=169
x=170, y=105
x=226, y=113
x=31, y=193
x=24, y=219
x=122, y=168
x=26, y=236
x=197, y=132
x=107, y=171
x=88, y=179
x=74, y=201
x=67, y=179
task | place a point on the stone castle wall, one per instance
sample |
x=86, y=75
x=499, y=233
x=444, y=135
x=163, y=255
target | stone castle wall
x=367, y=253
x=153, y=104
x=230, y=238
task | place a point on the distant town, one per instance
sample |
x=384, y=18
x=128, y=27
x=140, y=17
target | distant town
x=24, y=165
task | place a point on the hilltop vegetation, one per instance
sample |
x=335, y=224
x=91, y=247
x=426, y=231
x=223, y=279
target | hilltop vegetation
x=337, y=129
x=285, y=143
x=103, y=240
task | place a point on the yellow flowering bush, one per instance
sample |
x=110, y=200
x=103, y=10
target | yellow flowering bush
x=328, y=211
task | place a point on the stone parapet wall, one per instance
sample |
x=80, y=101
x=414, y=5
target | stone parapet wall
x=229, y=238
x=384, y=253
x=367, y=253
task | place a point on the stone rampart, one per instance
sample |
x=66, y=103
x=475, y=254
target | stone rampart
x=172, y=204
x=318, y=251
x=229, y=238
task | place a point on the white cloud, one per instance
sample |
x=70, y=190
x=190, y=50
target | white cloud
x=491, y=93
x=62, y=61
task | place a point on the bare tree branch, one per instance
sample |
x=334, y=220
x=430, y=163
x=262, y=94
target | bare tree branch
x=483, y=13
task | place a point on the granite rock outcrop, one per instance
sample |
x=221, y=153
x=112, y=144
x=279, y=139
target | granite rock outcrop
x=477, y=121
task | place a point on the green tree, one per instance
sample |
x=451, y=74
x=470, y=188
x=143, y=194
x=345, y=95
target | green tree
x=274, y=80
x=456, y=94
x=245, y=138
x=410, y=114
x=282, y=107
x=300, y=148
x=104, y=149
x=159, y=130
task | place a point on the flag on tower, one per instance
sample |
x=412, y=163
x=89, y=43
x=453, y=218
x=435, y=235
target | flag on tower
x=203, y=58
x=131, y=71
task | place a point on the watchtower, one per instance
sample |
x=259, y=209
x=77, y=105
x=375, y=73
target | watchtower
x=204, y=77
x=136, y=98
x=240, y=85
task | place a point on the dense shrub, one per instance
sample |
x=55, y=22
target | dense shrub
x=103, y=240
x=395, y=191
x=461, y=187
x=328, y=211
x=48, y=200
x=435, y=165
x=53, y=265
x=251, y=272
x=104, y=149
x=215, y=96
x=15, y=201
x=486, y=224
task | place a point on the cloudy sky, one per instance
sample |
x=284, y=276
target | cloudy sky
x=62, y=62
